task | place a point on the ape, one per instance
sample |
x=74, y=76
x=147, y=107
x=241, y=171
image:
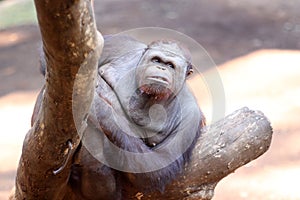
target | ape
x=143, y=124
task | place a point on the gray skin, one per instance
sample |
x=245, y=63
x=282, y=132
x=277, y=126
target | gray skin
x=141, y=105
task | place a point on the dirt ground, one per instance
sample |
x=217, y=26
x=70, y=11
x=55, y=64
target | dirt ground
x=231, y=31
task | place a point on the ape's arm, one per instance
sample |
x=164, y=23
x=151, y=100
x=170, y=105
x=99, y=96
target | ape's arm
x=156, y=166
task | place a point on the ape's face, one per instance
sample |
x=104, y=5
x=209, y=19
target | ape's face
x=162, y=70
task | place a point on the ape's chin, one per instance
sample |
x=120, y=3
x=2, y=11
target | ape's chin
x=156, y=92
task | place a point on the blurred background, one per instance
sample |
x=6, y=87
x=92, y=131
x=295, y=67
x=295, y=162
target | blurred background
x=254, y=44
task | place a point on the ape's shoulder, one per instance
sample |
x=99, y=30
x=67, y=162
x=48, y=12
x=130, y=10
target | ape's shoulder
x=116, y=46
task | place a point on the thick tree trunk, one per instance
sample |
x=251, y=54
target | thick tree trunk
x=72, y=48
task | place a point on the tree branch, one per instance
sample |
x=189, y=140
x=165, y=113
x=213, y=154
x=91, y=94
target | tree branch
x=224, y=146
x=72, y=48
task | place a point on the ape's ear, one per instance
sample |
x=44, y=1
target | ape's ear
x=189, y=70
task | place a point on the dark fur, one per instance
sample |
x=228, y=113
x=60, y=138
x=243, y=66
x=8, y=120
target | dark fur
x=91, y=179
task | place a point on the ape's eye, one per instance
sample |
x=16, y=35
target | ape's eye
x=169, y=64
x=156, y=59
x=190, y=72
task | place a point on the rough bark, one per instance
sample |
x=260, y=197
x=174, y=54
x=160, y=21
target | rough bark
x=72, y=48
x=224, y=146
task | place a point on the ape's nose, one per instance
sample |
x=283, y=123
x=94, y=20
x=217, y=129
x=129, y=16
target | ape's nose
x=161, y=68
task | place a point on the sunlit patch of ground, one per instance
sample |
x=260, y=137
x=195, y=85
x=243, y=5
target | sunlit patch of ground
x=15, y=114
x=262, y=183
x=267, y=80
x=8, y=38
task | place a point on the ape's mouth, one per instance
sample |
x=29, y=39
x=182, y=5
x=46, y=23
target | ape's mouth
x=159, y=79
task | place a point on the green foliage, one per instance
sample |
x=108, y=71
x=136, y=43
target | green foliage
x=16, y=13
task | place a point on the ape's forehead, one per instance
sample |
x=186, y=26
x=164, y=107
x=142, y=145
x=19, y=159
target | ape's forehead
x=171, y=47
